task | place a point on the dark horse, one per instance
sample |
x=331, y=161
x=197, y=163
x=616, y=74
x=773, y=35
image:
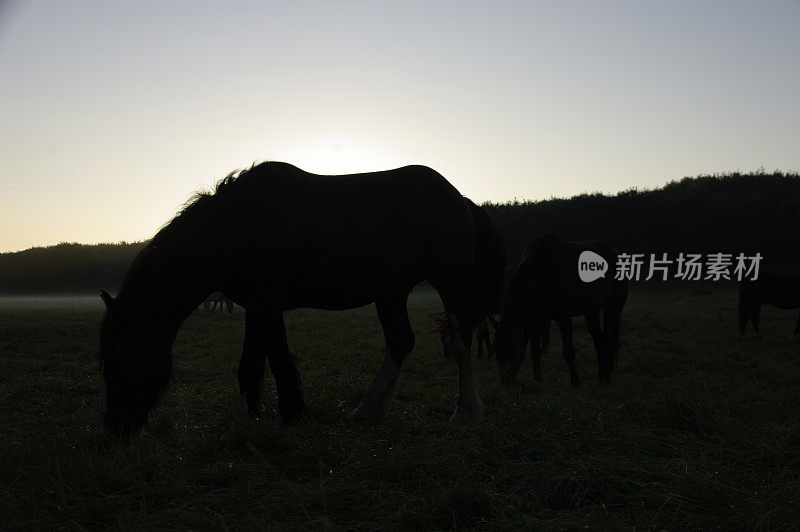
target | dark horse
x=781, y=291
x=290, y=239
x=546, y=286
x=483, y=334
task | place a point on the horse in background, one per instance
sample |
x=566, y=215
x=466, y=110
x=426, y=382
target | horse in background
x=483, y=333
x=215, y=298
x=546, y=286
x=290, y=239
x=779, y=290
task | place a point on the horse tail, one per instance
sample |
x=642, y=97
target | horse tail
x=490, y=262
x=612, y=314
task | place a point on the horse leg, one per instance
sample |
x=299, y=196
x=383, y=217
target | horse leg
x=462, y=318
x=265, y=336
x=565, y=323
x=253, y=361
x=489, y=344
x=482, y=336
x=533, y=332
x=754, y=317
x=593, y=325
x=468, y=405
x=284, y=369
x=393, y=315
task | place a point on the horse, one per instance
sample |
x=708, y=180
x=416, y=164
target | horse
x=779, y=290
x=215, y=298
x=545, y=286
x=293, y=239
x=483, y=334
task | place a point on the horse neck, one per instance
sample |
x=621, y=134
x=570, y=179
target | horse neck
x=166, y=284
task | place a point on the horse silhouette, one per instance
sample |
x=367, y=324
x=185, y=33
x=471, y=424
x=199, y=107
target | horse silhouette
x=483, y=334
x=216, y=298
x=546, y=286
x=275, y=238
x=779, y=290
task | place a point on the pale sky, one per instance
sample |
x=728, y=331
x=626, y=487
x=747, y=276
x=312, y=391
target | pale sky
x=113, y=112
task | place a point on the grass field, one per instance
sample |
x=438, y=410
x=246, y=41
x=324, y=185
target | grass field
x=700, y=428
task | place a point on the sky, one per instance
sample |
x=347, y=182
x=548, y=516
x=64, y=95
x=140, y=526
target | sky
x=113, y=113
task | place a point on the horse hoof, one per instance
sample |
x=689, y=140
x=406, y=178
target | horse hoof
x=245, y=409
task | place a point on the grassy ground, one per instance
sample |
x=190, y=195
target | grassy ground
x=698, y=429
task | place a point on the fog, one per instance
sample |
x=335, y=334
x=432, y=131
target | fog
x=52, y=301
x=93, y=301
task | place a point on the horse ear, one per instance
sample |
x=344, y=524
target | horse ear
x=110, y=302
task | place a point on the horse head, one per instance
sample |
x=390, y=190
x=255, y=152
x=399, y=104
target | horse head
x=136, y=368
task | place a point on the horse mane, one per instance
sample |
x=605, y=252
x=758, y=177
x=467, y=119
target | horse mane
x=204, y=203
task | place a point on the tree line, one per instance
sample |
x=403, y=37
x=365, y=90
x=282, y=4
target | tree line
x=750, y=213
x=729, y=213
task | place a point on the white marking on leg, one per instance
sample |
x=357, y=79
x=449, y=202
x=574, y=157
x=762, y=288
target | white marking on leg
x=469, y=406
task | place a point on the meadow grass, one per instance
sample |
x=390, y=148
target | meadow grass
x=698, y=429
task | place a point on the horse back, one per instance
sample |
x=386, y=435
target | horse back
x=583, y=296
x=342, y=241
x=555, y=262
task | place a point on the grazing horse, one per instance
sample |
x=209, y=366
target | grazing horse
x=483, y=334
x=781, y=291
x=546, y=286
x=215, y=298
x=294, y=239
